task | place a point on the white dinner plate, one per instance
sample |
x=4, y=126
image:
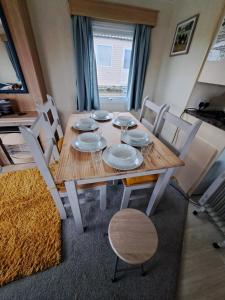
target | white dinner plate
x=124, y=121
x=137, y=161
x=101, y=145
x=85, y=124
x=136, y=138
x=101, y=115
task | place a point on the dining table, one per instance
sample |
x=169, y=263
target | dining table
x=76, y=168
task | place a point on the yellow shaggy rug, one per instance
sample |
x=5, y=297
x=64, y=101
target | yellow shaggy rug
x=30, y=227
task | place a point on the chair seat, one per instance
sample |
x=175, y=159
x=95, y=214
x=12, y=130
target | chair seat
x=61, y=186
x=133, y=236
x=60, y=144
x=140, y=180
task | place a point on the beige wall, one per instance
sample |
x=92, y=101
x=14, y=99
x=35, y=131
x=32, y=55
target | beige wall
x=53, y=33
x=52, y=28
x=168, y=79
x=178, y=74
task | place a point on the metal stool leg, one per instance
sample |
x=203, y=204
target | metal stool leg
x=115, y=270
x=143, y=273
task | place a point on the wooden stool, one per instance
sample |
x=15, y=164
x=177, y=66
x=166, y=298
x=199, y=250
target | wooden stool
x=133, y=238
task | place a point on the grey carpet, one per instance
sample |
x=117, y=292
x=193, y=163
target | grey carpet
x=88, y=261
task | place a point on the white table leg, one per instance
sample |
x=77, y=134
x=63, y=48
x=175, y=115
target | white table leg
x=158, y=191
x=75, y=206
x=103, y=197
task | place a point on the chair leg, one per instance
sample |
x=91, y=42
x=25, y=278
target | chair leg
x=143, y=273
x=115, y=270
x=103, y=197
x=126, y=197
x=58, y=202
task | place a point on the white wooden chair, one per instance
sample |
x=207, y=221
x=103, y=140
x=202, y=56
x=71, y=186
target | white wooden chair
x=42, y=155
x=143, y=182
x=52, y=117
x=157, y=112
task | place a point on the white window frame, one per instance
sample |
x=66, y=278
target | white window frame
x=102, y=66
x=124, y=57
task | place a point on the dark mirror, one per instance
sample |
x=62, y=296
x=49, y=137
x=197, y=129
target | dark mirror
x=11, y=76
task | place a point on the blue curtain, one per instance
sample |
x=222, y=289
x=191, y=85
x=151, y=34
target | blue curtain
x=138, y=65
x=12, y=59
x=87, y=85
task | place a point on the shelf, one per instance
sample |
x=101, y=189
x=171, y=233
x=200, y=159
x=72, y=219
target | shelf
x=26, y=118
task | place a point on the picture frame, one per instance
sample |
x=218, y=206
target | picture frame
x=183, y=36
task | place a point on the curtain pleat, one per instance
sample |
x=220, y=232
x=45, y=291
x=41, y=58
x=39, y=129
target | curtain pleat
x=85, y=64
x=138, y=65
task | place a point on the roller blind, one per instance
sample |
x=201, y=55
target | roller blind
x=113, y=29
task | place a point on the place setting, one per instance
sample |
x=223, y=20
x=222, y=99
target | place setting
x=121, y=120
x=89, y=142
x=101, y=115
x=85, y=124
x=136, y=138
x=122, y=157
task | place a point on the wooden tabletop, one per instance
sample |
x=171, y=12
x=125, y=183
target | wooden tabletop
x=132, y=236
x=75, y=165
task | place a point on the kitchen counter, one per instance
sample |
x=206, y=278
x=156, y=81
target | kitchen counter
x=217, y=121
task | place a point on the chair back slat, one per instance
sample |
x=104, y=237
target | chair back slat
x=49, y=151
x=40, y=129
x=148, y=125
x=38, y=156
x=189, y=131
x=50, y=110
x=157, y=110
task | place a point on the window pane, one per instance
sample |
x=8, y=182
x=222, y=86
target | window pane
x=104, y=55
x=127, y=56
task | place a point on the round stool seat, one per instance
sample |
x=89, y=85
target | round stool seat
x=133, y=236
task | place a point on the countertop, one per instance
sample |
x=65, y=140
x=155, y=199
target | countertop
x=217, y=122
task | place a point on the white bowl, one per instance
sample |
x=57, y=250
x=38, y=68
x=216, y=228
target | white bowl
x=137, y=135
x=124, y=120
x=122, y=154
x=88, y=140
x=85, y=123
x=101, y=114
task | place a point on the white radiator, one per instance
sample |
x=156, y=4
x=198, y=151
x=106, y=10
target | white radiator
x=213, y=202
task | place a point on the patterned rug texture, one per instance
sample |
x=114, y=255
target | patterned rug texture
x=30, y=227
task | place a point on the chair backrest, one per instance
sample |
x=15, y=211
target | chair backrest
x=50, y=110
x=188, y=132
x=41, y=152
x=157, y=111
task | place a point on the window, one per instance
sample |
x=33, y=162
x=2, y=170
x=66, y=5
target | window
x=104, y=55
x=112, y=44
x=126, y=58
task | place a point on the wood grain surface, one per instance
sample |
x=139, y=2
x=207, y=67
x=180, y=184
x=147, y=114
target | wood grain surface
x=114, y=12
x=75, y=165
x=132, y=236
